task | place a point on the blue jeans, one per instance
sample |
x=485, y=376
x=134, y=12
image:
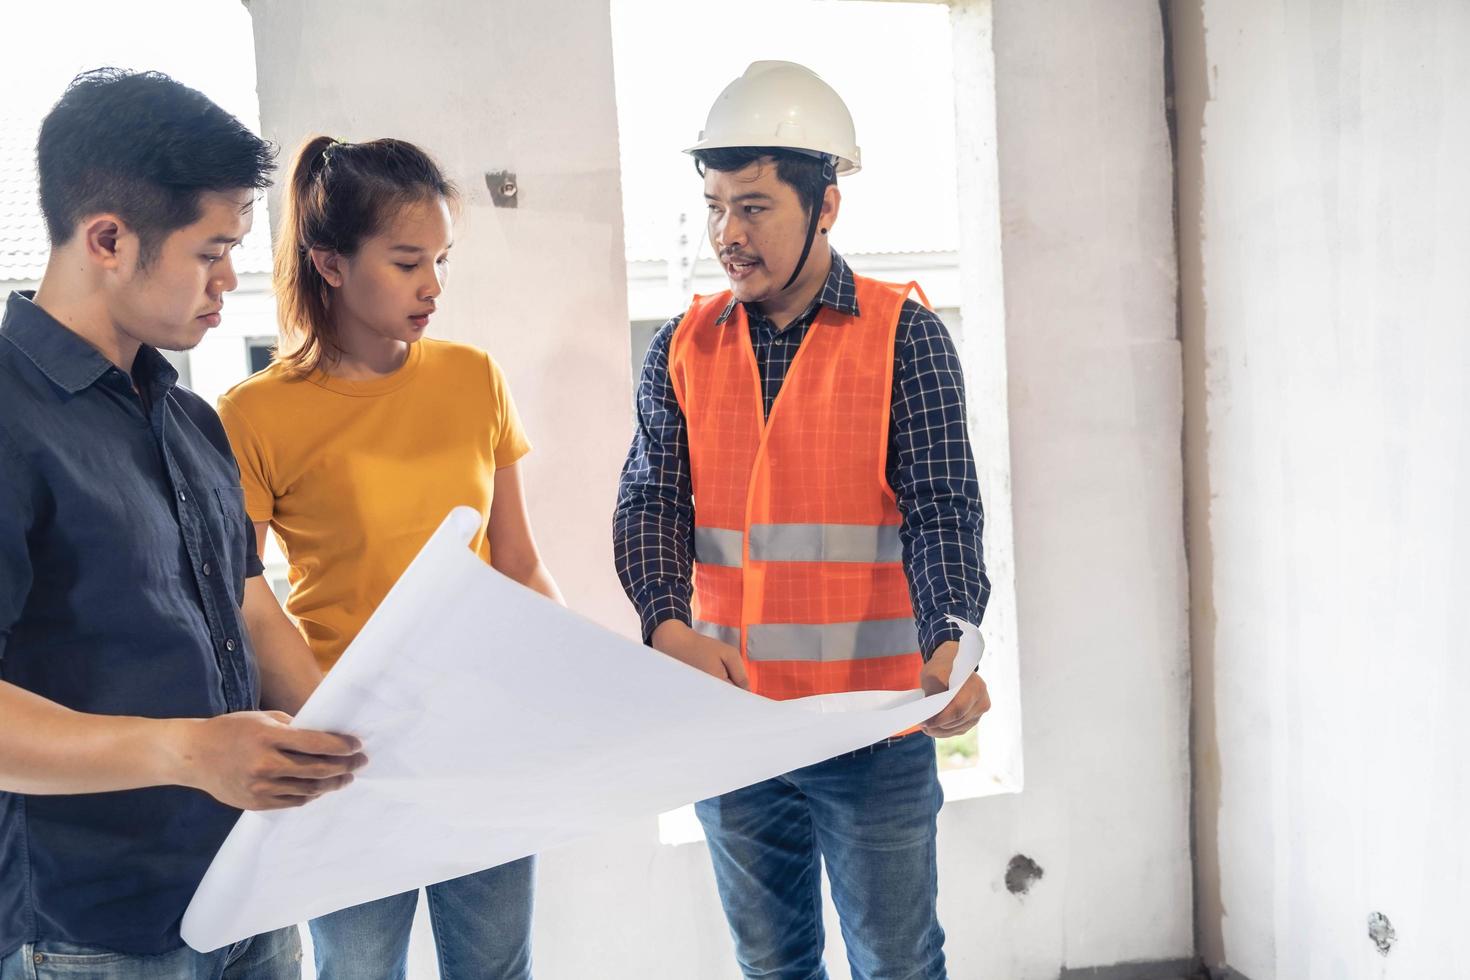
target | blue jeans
x=271, y=956
x=482, y=930
x=870, y=815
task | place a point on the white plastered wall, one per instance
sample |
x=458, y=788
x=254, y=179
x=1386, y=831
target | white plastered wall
x=1325, y=222
x=1093, y=400
x=1093, y=368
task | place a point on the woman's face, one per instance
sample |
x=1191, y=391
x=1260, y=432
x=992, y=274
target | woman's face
x=390, y=285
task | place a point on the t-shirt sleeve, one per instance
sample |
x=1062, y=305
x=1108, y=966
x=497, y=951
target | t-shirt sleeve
x=509, y=441
x=260, y=500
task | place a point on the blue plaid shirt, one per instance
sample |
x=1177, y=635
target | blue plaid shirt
x=930, y=467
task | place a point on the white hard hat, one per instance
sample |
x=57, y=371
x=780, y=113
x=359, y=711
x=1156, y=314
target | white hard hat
x=780, y=103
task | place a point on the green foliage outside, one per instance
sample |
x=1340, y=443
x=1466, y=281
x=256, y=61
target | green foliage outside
x=959, y=752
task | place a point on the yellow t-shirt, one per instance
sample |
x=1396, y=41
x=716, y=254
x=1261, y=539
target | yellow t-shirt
x=354, y=476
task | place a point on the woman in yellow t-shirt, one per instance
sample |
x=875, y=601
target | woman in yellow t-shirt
x=353, y=446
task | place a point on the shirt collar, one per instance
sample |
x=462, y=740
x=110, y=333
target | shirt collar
x=66, y=359
x=153, y=369
x=839, y=293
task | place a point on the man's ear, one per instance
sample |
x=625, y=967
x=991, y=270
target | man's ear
x=328, y=265
x=831, y=204
x=106, y=240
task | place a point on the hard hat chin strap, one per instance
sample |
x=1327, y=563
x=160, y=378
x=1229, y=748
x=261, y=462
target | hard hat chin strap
x=829, y=172
x=811, y=234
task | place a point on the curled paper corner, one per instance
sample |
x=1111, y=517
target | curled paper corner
x=461, y=526
x=972, y=651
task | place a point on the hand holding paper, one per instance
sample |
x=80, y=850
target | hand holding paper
x=970, y=702
x=447, y=688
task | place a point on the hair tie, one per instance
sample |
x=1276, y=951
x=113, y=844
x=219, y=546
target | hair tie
x=328, y=152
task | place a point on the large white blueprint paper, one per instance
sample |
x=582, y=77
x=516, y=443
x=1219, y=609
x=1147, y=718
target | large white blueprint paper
x=497, y=725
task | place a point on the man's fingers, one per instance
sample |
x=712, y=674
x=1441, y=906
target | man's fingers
x=940, y=726
x=308, y=742
x=956, y=719
x=289, y=791
x=948, y=725
x=961, y=714
x=310, y=788
x=973, y=697
x=937, y=722
x=950, y=728
x=318, y=767
x=735, y=667
x=952, y=712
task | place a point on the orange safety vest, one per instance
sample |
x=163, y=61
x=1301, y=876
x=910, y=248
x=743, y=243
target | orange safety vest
x=797, y=558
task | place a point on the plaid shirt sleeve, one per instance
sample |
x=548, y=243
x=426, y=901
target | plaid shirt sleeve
x=653, y=525
x=931, y=468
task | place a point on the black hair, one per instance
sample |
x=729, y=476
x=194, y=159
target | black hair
x=144, y=147
x=807, y=174
x=339, y=194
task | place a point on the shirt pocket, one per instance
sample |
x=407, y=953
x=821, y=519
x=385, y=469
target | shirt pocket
x=229, y=529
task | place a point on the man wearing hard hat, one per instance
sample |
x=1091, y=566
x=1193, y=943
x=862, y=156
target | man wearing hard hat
x=799, y=514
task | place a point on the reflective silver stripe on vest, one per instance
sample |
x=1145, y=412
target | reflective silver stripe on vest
x=717, y=546
x=825, y=542
x=725, y=634
x=832, y=641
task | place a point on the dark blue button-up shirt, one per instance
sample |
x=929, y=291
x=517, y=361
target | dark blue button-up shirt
x=124, y=550
x=930, y=467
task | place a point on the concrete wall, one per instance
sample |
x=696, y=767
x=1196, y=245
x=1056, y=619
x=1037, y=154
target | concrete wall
x=1326, y=219
x=1094, y=402
x=1086, y=331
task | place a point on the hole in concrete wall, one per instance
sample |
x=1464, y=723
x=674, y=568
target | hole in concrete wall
x=1021, y=873
x=1380, y=930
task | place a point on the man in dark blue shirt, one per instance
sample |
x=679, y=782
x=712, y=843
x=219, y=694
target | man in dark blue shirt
x=138, y=640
